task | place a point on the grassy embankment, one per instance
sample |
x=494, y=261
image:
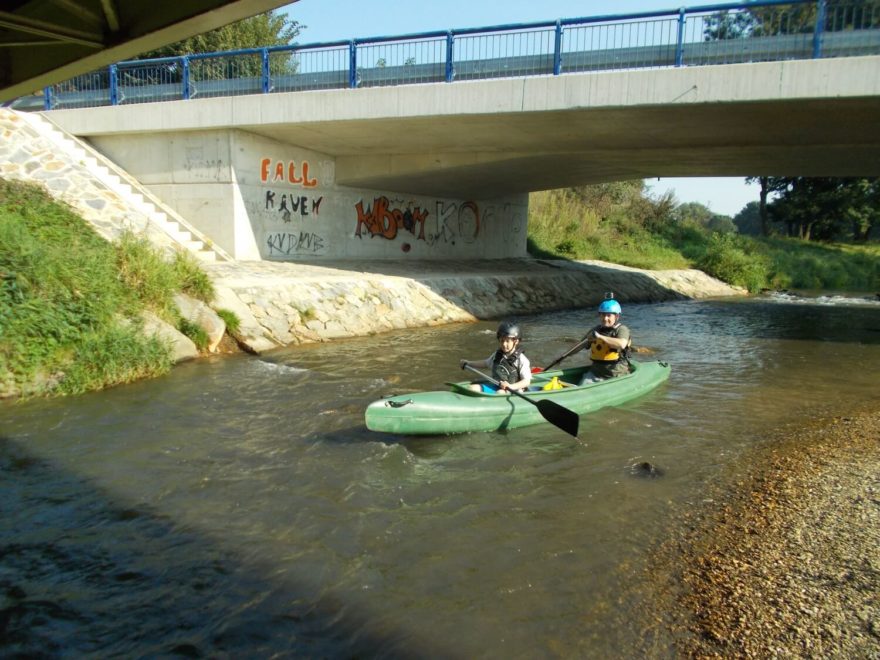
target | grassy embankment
x=70, y=301
x=618, y=223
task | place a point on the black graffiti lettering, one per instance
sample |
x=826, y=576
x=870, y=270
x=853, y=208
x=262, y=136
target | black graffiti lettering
x=309, y=242
x=285, y=244
x=289, y=204
x=276, y=242
x=299, y=204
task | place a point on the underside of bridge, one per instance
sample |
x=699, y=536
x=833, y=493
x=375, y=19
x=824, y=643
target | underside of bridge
x=43, y=42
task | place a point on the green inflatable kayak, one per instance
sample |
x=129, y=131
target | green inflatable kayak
x=461, y=410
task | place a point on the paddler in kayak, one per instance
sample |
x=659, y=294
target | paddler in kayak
x=509, y=364
x=609, y=344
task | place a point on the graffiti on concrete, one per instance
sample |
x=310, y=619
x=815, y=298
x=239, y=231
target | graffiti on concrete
x=276, y=171
x=456, y=222
x=201, y=162
x=380, y=219
x=289, y=205
x=286, y=244
x=452, y=222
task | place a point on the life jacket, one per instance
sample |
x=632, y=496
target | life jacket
x=506, y=367
x=601, y=351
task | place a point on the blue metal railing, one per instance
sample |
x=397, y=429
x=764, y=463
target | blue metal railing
x=769, y=30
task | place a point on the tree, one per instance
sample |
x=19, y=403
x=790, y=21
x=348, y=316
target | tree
x=769, y=185
x=702, y=216
x=748, y=220
x=792, y=19
x=693, y=212
x=864, y=208
x=826, y=208
x=268, y=29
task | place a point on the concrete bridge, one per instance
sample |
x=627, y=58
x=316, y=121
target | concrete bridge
x=498, y=137
x=439, y=170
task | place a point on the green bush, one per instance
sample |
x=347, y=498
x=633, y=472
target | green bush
x=566, y=247
x=726, y=259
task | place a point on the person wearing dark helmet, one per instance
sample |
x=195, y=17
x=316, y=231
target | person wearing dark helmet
x=609, y=344
x=510, y=367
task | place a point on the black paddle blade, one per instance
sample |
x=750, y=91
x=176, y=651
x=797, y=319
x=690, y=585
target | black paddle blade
x=559, y=416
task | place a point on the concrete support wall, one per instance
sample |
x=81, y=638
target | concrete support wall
x=261, y=199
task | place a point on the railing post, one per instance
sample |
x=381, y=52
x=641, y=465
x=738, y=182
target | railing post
x=557, y=49
x=114, y=85
x=352, y=64
x=264, y=55
x=679, y=44
x=819, y=30
x=47, y=97
x=185, y=64
x=450, y=54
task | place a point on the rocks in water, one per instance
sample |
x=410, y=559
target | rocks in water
x=646, y=470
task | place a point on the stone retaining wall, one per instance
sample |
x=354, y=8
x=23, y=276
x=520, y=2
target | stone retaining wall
x=284, y=304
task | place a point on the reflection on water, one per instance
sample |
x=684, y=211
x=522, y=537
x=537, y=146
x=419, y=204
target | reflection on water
x=239, y=505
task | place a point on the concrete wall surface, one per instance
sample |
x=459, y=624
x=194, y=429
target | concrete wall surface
x=260, y=198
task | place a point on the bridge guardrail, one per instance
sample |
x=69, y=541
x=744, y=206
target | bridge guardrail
x=771, y=30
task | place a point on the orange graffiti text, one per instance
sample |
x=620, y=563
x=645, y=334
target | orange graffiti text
x=380, y=220
x=286, y=171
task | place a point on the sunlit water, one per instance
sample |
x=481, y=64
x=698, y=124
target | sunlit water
x=239, y=507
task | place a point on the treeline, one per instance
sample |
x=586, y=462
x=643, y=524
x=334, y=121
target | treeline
x=623, y=223
x=823, y=209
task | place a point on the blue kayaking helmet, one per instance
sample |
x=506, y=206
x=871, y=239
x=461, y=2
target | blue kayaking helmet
x=610, y=307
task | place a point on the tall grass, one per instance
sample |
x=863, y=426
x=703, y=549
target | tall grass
x=70, y=301
x=561, y=225
x=797, y=264
x=624, y=226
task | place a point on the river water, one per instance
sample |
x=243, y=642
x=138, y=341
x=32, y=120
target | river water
x=239, y=507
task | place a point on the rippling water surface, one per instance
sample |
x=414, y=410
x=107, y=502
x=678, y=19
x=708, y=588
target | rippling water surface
x=239, y=506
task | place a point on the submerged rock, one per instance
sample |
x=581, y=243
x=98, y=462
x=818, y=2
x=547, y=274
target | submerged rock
x=646, y=470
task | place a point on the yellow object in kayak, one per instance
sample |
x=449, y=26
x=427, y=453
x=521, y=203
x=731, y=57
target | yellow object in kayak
x=554, y=384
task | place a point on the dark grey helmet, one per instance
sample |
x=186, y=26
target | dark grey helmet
x=508, y=329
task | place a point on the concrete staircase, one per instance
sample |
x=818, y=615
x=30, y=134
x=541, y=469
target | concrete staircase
x=141, y=209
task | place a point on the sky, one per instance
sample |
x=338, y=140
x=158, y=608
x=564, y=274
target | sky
x=335, y=20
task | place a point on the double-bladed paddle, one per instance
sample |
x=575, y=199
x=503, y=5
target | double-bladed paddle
x=557, y=415
x=574, y=349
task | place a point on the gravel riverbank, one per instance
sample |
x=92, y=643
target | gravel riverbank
x=785, y=561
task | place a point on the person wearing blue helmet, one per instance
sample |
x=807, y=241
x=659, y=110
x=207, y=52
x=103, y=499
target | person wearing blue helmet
x=609, y=344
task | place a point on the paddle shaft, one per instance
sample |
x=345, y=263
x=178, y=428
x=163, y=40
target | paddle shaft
x=498, y=384
x=560, y=416
x=574, y=349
